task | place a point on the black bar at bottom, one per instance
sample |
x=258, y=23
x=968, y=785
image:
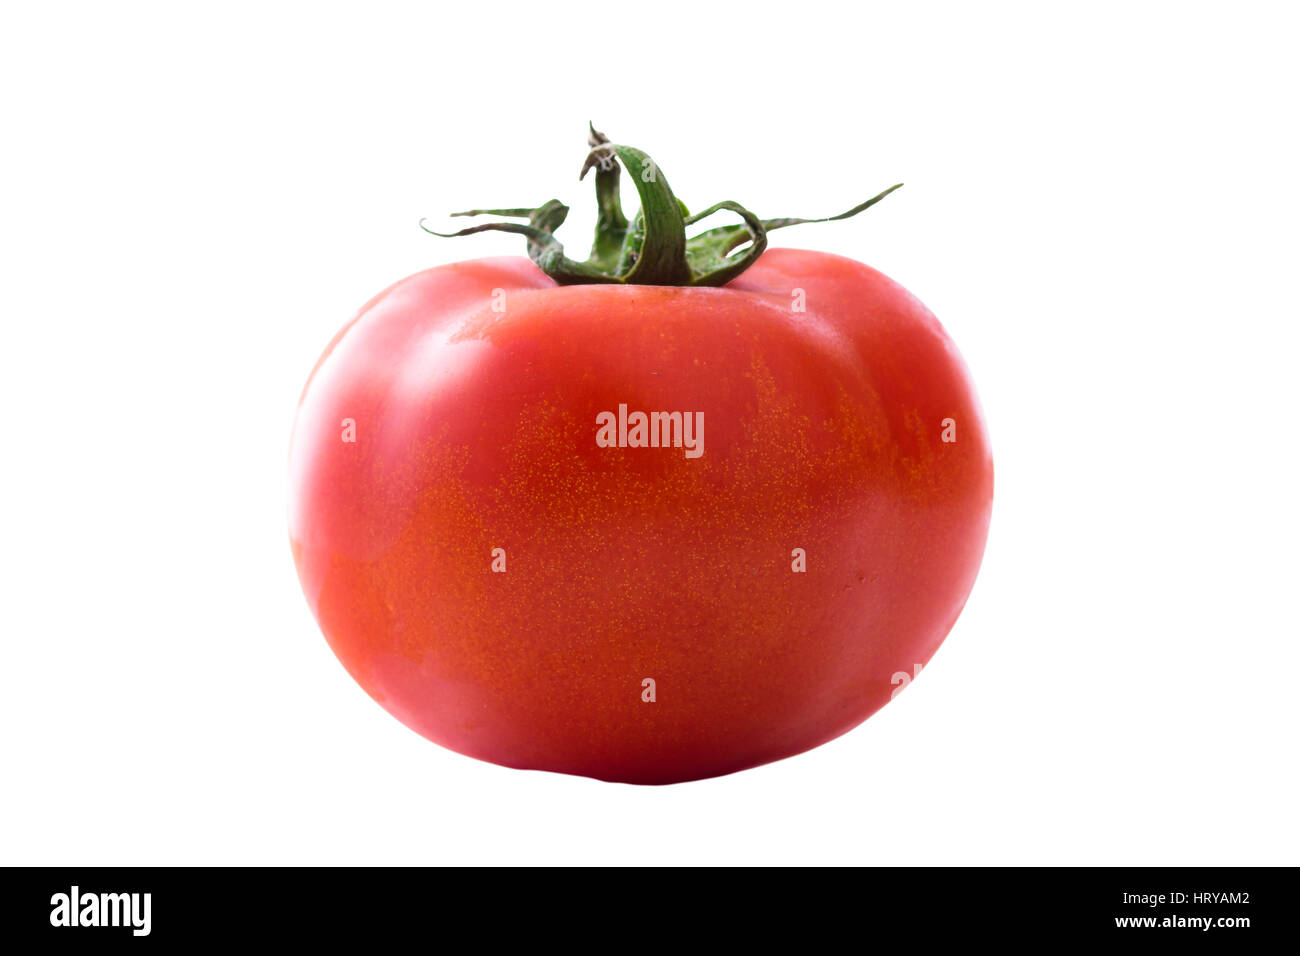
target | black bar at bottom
x=656, y=908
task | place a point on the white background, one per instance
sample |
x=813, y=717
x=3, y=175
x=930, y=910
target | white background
x=1101, y=206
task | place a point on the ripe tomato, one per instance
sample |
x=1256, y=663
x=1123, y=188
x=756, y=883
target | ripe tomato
x=517, y=589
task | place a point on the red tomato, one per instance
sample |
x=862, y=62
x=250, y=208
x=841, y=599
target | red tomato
x=476, y=430
x=506, y=575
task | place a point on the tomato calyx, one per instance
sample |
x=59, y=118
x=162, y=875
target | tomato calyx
x=652, y=248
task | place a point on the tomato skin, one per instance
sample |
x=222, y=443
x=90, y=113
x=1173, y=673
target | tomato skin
x=475, y=429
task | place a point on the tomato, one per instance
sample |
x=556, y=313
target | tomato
x=500, y=556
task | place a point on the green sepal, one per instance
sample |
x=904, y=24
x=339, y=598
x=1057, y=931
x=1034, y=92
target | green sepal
x=652, y=249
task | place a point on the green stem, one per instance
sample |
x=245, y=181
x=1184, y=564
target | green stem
x=611, y=224
x=652, y=249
